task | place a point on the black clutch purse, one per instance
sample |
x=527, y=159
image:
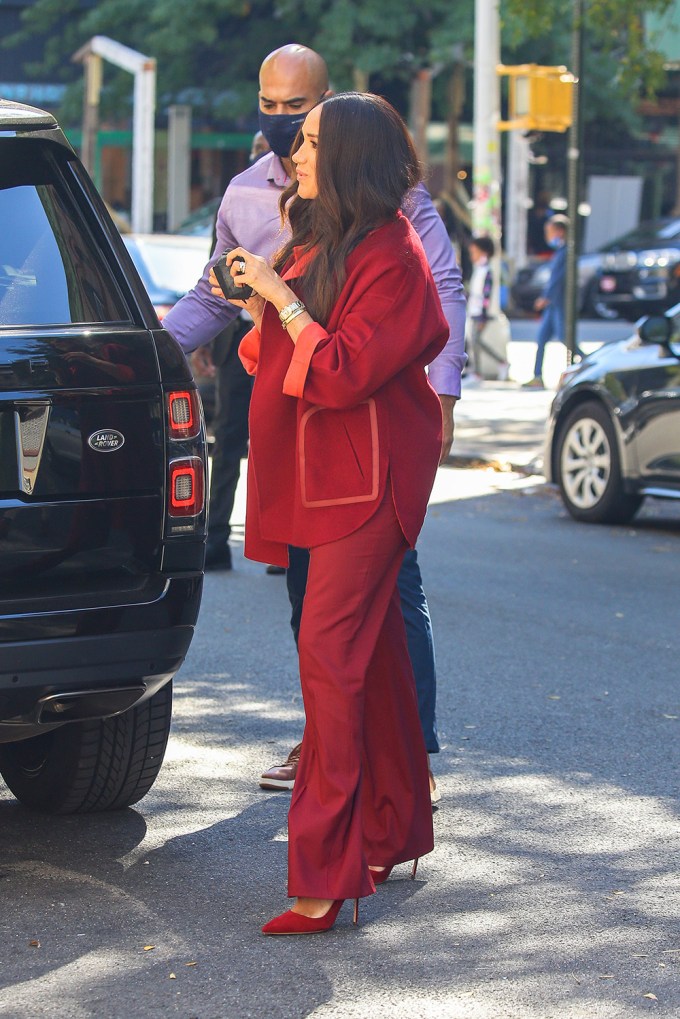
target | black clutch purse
x=228, y=284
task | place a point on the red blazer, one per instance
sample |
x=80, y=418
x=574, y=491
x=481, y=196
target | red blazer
x=347, y=407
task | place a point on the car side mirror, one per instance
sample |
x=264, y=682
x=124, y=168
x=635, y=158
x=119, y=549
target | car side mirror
x=656, y=329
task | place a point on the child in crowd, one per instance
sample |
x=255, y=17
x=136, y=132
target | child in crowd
x=481, y=251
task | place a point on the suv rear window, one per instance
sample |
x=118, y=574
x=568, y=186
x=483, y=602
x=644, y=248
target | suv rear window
x=51, y=271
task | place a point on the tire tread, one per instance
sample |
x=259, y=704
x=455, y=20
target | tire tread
x=95, y=765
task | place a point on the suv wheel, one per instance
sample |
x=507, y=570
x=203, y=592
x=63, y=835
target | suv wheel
x=588, y=468
x=95, y=765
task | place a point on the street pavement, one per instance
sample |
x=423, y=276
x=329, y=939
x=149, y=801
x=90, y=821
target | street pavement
x=552, y=892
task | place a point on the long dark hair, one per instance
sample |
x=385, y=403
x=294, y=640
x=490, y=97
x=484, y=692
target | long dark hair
x=365, y=165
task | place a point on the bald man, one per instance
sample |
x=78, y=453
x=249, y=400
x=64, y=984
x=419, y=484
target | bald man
x=293, y=79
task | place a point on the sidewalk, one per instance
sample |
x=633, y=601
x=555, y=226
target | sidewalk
x=501, y=421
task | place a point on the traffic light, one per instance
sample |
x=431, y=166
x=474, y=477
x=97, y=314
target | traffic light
x=540, y=98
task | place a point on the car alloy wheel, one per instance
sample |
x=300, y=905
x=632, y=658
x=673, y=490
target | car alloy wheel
x=589, y=472
x=586, y=463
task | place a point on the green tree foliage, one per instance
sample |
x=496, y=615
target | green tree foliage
x=375, y=37
x=614, y=32
x=209, y=51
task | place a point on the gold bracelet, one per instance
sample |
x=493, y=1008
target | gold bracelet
x=293, y=306
x=294, y=314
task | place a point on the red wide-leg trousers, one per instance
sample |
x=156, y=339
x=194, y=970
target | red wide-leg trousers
x=362, y=793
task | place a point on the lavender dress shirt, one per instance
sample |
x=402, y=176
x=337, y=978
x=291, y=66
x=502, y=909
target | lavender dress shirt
x=249, y=217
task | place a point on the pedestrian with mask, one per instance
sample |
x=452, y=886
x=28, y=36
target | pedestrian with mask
x=292, y=81
x=551, y=302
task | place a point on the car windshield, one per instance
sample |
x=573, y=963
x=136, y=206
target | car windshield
x=647, y=235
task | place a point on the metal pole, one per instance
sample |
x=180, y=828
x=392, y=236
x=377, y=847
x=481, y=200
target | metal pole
x=142, y=147
x=574, y=163
x=93, y=86
x=179, y=164
x=486, y=215
x=517, y=199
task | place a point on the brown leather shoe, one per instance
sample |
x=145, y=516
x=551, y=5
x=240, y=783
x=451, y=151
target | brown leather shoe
x=282, y=776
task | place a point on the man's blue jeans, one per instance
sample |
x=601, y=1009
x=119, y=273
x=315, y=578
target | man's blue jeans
x=551, y=327
x=416, y=614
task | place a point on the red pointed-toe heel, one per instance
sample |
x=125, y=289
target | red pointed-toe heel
x=295, y=923
x=380, y=876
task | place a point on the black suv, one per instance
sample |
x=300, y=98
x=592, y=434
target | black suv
x=640, y=274
x=102, y=490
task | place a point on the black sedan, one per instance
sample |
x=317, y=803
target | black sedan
x=614, y=429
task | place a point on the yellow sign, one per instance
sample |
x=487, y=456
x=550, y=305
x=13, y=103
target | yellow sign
x=540, y=98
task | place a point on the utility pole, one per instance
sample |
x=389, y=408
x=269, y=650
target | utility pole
x=517, y=198
x=574, y=163
x=486, y=211
x=179, y=164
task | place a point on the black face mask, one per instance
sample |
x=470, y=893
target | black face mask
x=280, y=130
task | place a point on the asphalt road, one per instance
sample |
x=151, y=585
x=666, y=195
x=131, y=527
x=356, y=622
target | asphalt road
x=553, y=891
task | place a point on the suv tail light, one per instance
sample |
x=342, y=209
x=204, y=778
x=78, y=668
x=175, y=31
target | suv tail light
x=184, y=419
x=185, y=500
x=186, y=487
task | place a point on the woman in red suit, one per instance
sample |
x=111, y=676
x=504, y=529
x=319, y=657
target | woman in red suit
x=344, y=445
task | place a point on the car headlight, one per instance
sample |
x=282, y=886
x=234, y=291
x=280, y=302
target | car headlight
x=657, y=257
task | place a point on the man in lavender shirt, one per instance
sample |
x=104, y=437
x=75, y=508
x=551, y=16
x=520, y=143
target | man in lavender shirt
x=292, y=81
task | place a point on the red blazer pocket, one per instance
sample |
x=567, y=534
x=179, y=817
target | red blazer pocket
x=338, y=452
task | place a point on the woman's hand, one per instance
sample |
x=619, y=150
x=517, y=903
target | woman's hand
x=266, y=283
x=254, y=305
x=260, y=276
